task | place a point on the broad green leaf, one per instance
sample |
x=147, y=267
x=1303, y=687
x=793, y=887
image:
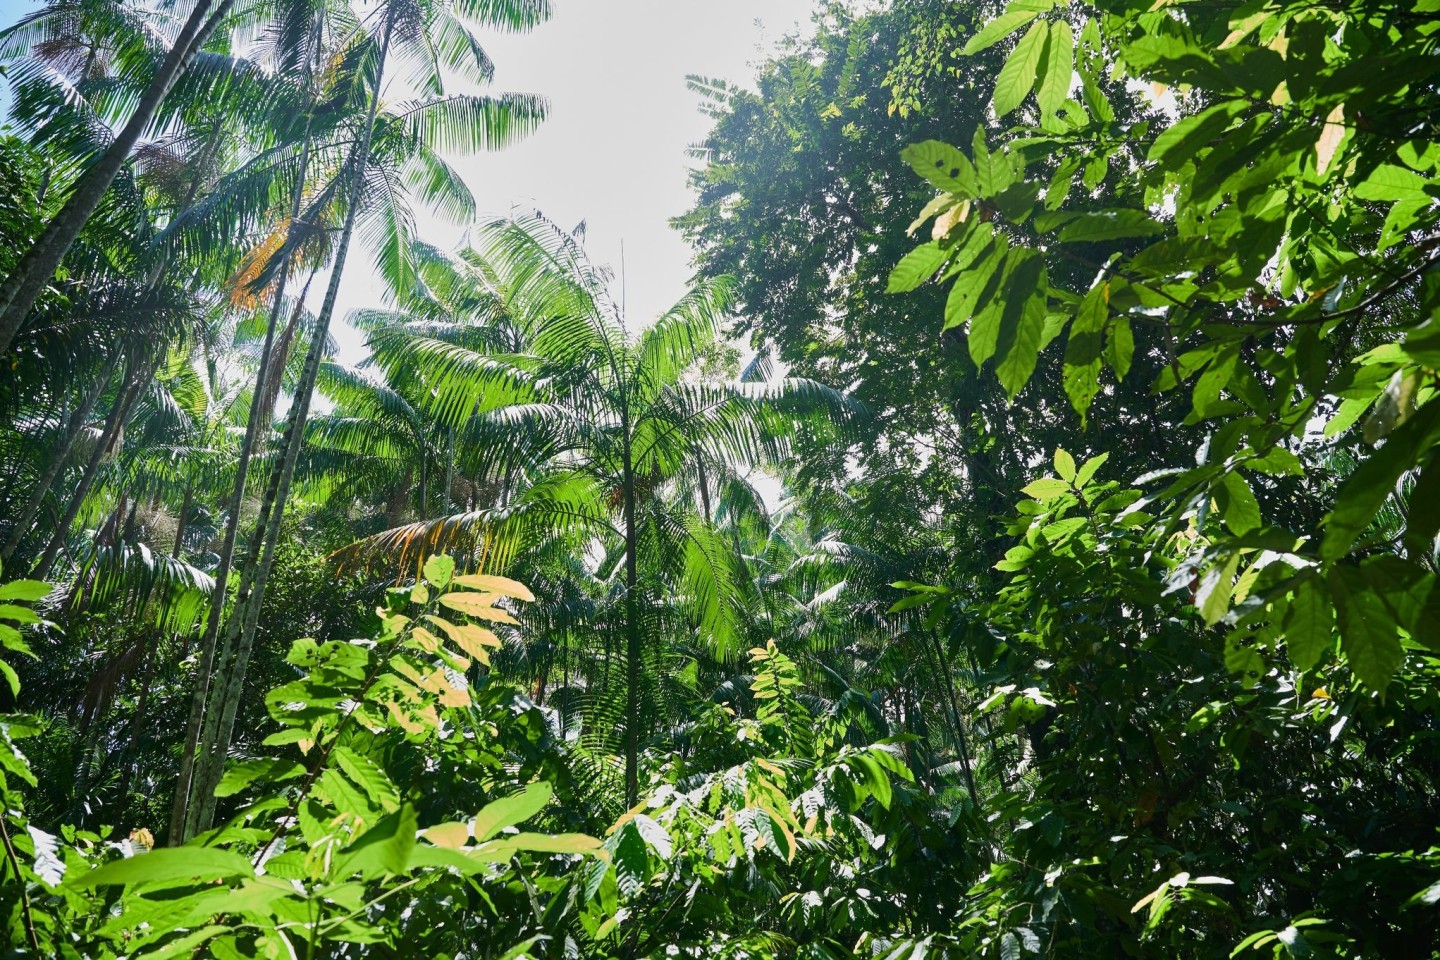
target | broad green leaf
x=943, y=166
x=1423, y=519
x=1085, y=347
x=438, y=571
x=1309, y=623
x=1369, y=636
x=1046, y=488
x=1022, y=326
x=1216, y=586
x=1238, y=506
x=368, y=776
x=241, y=774
x=916, y=267
x=1089, y=469
x=1065, y=465
x=1179, y=142
x=1018, y=76
x=1391, y=182
x=25, y=590
x=1374, y=481
x=509, y=811
x=1000, y=28
x=1057, y=69
x=1120, y=346
x=382, y=850
x=1111, y=225
x=167, y=865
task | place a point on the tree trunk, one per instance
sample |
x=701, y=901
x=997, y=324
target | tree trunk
x=248, y=609
x=205, y=669
x=632, y=635
x=56, y=463
x=35, y=270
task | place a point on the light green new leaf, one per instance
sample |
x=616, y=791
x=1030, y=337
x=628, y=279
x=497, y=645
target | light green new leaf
x=1018, y=76
x=1058, y=68
x=1000, y=28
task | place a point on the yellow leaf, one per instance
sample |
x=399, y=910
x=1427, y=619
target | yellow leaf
x=1330, y=136
x=501, y=585
x=451, y=836
x=438, y=682
x=1320, y=694
x=427, y=640
x=478, y=605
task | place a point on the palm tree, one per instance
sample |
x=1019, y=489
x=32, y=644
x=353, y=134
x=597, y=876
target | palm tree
x=33, y=273
x=584, y=428
x=426, y=31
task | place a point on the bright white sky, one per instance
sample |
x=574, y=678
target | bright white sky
x=613, y=151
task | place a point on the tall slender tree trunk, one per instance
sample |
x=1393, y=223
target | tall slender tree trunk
x=181, y=806
x=56, y=462
x=211, y=759
x=632, y=634
x=34, y=271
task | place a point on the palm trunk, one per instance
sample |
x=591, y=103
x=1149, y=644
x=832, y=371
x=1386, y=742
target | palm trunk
x=278, y=491
x=56, y=464
x=180, y=810
x=35, y=270
x=632, y=635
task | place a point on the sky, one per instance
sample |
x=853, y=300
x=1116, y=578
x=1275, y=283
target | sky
x=613, y=151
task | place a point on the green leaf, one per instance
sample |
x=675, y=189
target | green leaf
x=382, y=850
x=438, y=571
x=1120, y=347
x=240, y=775
x=1189, y=135
x=917, y=266
x=1369, y=636
x=1423, y=520
x=1216, y=587
x=1000, y=28
x=1058, y=69
x=1022, y=325
x=1018, y=75
x=1085, y=347
x=1238, y=506
x=1089, y=469
x=1391, y=182
x=1046, y=488
x=509, y=811
x=167, y=865
x=1065, y=465
x=1309, y=623
x=943, y=166
x=368, y=776
x=1111, y=225
x=1374, y=481
x=26, y=590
